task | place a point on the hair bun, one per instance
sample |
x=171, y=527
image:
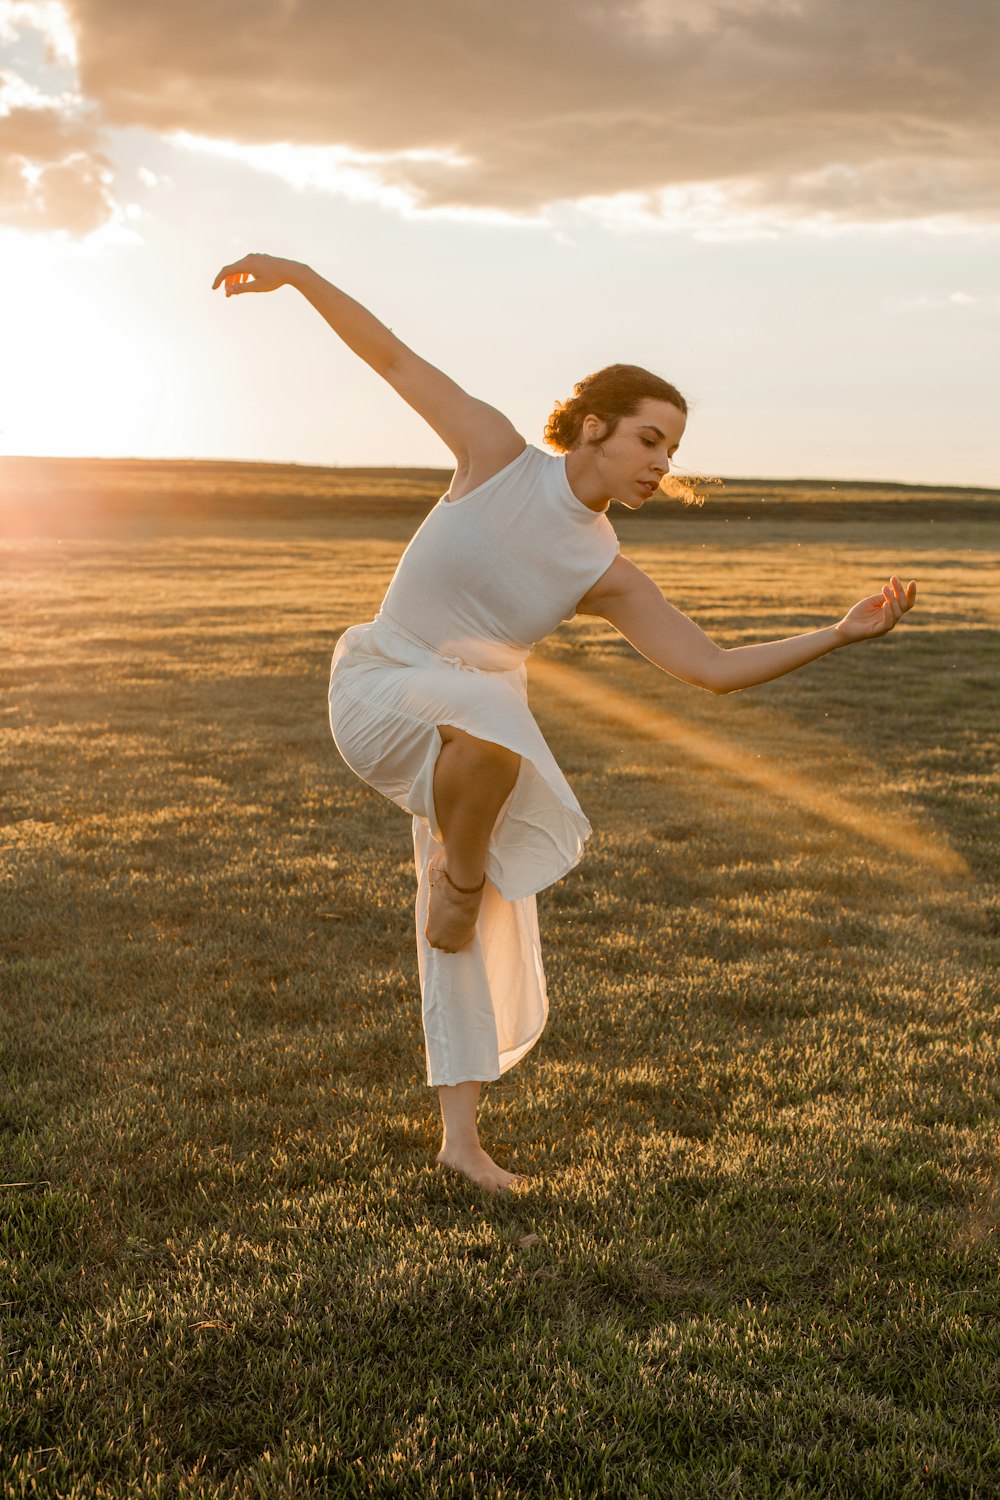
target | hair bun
x=563, y=425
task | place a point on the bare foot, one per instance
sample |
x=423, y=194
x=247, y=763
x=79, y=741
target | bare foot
x=474, y=1163
x=451, y=916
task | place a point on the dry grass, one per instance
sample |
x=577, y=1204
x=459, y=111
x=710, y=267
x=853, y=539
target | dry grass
x=763, y=1118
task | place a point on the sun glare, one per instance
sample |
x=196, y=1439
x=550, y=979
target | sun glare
x=893, y=833
x=77, y=378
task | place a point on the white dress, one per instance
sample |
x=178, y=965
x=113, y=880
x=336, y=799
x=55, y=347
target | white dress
x=483, y=579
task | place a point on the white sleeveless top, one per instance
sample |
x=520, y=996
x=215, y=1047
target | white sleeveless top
x=489, y=575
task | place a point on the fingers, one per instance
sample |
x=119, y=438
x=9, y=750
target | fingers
x=892, y=601
x=907, y=594
x=905, y=597
x=897, y=599
x=239, y=271
x=236, y=280
x=224, y=275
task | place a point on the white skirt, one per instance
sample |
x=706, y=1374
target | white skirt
x=485, y=1006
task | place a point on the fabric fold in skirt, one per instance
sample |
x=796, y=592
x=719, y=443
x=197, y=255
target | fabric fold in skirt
x=485, y=1006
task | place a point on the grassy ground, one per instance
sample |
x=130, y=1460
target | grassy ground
x=759, y=1253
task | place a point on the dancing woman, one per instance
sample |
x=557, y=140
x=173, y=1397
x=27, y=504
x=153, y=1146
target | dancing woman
x=428, y=701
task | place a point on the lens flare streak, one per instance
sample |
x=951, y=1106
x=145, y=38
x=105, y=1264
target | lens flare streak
x=894, y=832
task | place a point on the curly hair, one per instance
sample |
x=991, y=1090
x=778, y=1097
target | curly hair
x=612, y=393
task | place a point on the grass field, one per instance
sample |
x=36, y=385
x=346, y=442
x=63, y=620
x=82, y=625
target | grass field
x=759, y=1253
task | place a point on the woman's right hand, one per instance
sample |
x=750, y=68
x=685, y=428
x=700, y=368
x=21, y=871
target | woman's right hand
x=268, y=273
x=877, y=614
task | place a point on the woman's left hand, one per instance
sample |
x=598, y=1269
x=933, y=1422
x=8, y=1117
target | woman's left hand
x=268, y=272
x=877, y=614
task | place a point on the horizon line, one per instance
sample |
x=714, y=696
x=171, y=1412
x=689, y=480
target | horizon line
x=827, y=480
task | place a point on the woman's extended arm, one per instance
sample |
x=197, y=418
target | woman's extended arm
x=630, y=601
x=472, y=429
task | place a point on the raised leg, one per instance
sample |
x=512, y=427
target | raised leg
x=472, y=780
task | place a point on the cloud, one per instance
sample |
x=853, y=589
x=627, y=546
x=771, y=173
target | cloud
x=762, y=111
x=983, y=302
x=358, y=176
x=54, y=174
x=864, y=110
x=49, y=19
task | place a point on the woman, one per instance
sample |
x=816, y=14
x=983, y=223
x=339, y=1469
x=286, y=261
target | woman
x=428, y=702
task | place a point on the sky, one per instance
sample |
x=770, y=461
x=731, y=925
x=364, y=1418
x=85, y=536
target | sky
x=790, y=209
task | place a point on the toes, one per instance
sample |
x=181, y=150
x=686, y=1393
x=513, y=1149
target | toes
x=488, y=1176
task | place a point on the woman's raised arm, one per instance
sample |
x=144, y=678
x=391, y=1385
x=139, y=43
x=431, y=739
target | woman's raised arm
x=469, y=427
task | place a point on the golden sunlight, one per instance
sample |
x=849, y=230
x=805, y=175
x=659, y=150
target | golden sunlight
x=78, y=377
x=893, y=832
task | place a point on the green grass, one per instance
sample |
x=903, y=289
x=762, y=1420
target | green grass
x=759, y=1253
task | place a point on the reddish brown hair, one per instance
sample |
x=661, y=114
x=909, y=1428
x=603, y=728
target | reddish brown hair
x=612, y=393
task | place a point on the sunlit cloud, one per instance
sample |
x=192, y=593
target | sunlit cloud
x=18, y=93
x=358, y=176
x=706, y=210
x=55, y=175
x=747, y=119
x=743, y=120
x=981, y=302
x=47, y=17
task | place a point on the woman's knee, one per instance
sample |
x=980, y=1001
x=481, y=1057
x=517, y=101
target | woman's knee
x=474, y=751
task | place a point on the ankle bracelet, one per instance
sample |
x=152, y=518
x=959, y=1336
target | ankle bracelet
x=466, y=890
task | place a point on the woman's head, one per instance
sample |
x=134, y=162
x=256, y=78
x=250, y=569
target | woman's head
x=620, y=429
x=612, y=393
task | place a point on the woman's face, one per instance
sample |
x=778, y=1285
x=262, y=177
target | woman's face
x=637, y=456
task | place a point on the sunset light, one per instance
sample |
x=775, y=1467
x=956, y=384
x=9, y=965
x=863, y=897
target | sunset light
x=499, y=854
x=799, y=265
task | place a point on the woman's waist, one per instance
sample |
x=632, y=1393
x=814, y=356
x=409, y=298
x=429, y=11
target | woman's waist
x=472, y=652
x=386, y=640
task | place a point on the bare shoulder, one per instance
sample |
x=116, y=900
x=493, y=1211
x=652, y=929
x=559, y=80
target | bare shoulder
x=478, y=435
x=618, y=582
x=491, y=449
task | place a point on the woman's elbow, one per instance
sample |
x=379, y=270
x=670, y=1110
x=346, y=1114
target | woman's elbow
x=704, y=680
x=712, y=676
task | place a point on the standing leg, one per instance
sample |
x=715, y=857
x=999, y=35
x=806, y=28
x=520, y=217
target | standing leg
x=472, y=780
x=460, y=1148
